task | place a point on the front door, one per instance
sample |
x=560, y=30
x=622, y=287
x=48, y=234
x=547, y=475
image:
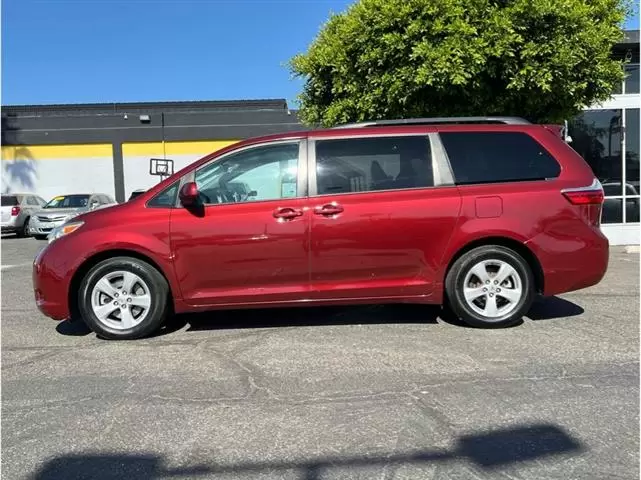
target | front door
x=382, y=215
x=248, y=242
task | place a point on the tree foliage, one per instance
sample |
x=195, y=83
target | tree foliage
x=544, y=60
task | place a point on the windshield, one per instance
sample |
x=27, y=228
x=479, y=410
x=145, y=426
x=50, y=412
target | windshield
x=9, y=200
x=68, y=201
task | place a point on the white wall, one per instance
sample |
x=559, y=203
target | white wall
x=54, y=170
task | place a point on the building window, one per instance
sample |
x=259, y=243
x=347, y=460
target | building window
x=600, y=138
x=632, y=189
x=631, y=83
x=597, y=137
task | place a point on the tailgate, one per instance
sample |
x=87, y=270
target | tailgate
x=5, y=214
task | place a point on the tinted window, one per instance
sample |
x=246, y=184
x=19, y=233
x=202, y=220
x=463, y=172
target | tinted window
x=166, y=198
x=9, y=200
x=263, y=173
x=487, y=157
x=371, y=164
x=68, y=201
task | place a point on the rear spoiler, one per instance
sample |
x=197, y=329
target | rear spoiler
x=560, y=130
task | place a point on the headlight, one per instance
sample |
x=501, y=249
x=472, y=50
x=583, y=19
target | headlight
x=64, y=229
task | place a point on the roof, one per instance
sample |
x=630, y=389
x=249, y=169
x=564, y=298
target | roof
x=147, y=107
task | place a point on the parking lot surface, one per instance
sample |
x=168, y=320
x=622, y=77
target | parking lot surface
x=368, y=392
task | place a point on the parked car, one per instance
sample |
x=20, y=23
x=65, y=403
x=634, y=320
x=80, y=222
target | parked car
x=63, y=208
x=16, y=212
x=480, y=214
x=136, y=193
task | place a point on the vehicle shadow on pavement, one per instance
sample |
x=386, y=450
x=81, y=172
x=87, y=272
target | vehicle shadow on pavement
x=486, y=451
x=543, y=309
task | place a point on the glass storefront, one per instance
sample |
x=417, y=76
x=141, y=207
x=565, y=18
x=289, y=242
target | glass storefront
x=608, y=139
x=604, y=138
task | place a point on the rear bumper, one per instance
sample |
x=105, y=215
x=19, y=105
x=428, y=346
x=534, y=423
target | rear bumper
x=10, y=225
x=571, y=263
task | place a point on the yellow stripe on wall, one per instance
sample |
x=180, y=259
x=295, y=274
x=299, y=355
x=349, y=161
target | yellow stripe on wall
x=44, y=152
x=155, y=149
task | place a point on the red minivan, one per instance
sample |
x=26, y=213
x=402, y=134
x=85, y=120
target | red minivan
x=481, y=214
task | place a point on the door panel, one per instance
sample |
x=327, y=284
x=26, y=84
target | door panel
x=383, y=244
x=384, y=231
x=248, y=240
x=241, y=253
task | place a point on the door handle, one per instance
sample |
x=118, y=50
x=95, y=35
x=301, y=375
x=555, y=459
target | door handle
x=287, y=213
x=329, y=209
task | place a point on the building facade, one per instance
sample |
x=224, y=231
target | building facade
x=105, y=148
x=607, y=136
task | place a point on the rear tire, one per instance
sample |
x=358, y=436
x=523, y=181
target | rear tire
x=123, y=298
x=24, y=231
x=490, y=287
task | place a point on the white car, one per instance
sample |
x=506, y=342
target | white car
x=63, y=208
x=17, y=211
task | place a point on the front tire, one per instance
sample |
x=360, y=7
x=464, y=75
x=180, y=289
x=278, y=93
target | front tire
x=490, y=287
x=123, y=298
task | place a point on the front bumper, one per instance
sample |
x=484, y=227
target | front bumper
x=39, y=227
x=50, y=285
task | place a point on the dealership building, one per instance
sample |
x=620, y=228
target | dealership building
x=106, y=148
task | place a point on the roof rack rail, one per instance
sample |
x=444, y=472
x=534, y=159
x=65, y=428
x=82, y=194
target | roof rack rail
x=437, y=120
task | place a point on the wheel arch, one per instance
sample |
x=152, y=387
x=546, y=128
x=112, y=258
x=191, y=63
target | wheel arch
x=507, y=242
x=95, y=259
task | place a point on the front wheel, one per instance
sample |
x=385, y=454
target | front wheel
x=123, y=298
x=490, y=286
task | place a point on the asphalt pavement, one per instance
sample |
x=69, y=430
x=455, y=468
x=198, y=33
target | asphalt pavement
x=391, y=392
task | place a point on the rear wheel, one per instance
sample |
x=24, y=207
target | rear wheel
x=24, y=231
x=490, y=286
x=123, y=298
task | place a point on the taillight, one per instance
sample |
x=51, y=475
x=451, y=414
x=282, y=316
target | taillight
x=585, y=198
x=589, y=199
x=15, y=211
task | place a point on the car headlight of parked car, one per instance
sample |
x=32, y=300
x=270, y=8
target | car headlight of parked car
x=64, y=229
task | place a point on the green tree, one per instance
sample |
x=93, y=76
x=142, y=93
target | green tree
x=544, y=60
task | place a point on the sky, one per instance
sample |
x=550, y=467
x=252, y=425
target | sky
x=86, y=51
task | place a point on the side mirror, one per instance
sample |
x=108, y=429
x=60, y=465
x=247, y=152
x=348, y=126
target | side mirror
x=188, y=194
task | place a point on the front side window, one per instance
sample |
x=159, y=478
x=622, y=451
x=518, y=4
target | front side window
x=373, y=164
x=68, y=201
x=166, y=198
x=262, y=173
x=492, y=157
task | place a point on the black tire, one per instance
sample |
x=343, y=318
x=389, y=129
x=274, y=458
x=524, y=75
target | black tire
x=454, y=285
x=24, y=231
x=158, y=289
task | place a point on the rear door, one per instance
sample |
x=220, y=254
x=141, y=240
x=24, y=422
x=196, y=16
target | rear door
x=383, y=211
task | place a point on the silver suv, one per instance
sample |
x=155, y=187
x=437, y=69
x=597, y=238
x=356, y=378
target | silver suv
x=63, y=208
x=17, y=210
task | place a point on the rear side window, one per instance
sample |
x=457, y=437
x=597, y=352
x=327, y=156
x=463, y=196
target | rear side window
x=9, y=200
x=491, y=157
x=373, y=164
